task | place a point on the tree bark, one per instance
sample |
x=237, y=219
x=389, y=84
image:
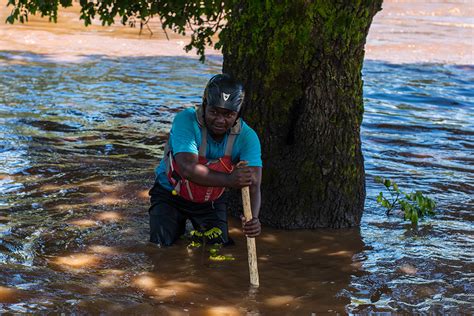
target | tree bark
x=301, y=64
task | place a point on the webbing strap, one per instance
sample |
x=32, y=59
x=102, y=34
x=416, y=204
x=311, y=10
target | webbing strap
x=203, y=147
x=230, y=144
x=190, y=192
x=166, y=156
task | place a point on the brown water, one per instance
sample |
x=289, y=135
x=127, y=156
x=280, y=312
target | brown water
x=423, y=31
x=403, y=32
x=81, y=131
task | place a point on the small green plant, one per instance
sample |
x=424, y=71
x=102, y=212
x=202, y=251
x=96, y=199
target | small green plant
x=414, y=205
x=201, y=238
x=214, y=254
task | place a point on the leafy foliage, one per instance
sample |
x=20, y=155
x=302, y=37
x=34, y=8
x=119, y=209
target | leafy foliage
x=204, y=18
x=215, y=256
x=414, y=205
x=203, y=237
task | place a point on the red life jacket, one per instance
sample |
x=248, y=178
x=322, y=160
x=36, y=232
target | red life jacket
x=190, y=190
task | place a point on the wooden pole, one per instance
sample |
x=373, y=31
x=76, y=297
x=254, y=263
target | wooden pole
x=251, y=247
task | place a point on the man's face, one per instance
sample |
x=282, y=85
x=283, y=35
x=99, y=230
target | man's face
x=219, y=120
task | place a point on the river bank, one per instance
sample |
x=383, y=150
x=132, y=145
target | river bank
x=403, y=32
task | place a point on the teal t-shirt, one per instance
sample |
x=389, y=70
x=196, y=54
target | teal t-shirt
x=185, y=136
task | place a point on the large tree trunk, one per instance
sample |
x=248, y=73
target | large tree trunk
x=301, y=66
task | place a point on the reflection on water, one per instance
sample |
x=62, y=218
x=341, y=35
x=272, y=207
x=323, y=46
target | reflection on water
x=78, y=144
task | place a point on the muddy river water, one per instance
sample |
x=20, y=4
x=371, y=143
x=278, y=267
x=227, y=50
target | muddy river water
x=81, y=131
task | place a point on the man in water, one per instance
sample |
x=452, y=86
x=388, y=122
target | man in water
x=210, y=148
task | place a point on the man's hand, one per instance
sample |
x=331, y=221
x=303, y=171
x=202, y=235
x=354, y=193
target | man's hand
x=242, y=176
x=252, y=228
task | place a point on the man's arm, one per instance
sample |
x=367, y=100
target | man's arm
x=252, y=227
x=255, y=197
x=192, y=170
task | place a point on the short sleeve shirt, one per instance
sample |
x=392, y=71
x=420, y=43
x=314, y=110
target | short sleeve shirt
x=185, y=136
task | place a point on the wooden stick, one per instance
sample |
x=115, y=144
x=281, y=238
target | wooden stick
x=251, y=247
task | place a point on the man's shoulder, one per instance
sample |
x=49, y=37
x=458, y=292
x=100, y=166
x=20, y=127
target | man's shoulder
x=246, y=130
x=186, y=114
x=184, y=132
x=185, y=117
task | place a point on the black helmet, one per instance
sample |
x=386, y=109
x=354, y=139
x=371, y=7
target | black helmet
x=223, y=91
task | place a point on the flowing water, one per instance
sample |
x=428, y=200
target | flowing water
x=79, y=142
x=80, y=137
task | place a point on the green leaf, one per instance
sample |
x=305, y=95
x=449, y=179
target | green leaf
x=414, y=218
x=395, y=187
x=221, y=258
x=196, y=233
x=194, y=244
x=213, y=233
x=414, y=205
x=406, y=208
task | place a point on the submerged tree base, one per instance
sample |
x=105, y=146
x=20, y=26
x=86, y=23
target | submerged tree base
x=301, y=66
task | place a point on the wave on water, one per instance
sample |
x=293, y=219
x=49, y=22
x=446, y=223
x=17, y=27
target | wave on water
x=77, y=138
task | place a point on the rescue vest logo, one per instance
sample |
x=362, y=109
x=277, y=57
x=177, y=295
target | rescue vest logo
x=225, y=96
x=208, y=194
